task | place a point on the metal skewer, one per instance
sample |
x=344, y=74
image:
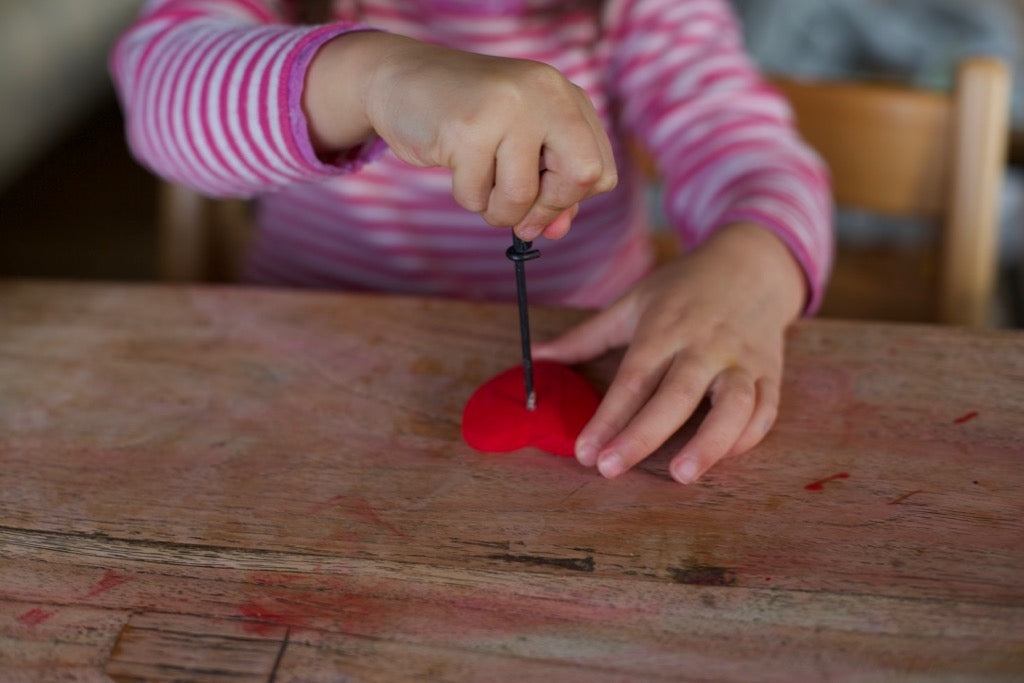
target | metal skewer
x=519, y=253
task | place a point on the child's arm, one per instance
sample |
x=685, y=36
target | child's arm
x=495, y=122
x=211, y=91
x=750, y=199
x=223, y=97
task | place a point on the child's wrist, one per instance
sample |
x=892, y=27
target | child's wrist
x=760, y=251
x=336, y=90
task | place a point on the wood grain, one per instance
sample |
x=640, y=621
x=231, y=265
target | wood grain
x=226, y=483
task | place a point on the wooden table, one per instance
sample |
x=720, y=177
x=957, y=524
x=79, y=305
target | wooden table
x=217, y=483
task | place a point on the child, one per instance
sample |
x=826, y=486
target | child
x=385, y=144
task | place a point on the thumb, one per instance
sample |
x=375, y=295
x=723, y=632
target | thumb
x=603, y=331
x=560, y=226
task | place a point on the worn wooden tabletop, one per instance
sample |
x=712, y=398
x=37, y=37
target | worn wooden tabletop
x=208, y=483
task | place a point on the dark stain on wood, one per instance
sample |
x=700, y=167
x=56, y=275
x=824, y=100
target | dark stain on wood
x=578, y=564
x=702, y=575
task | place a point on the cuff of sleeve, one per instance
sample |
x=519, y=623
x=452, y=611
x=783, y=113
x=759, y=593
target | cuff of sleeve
x=294, y=80
x=816, y=270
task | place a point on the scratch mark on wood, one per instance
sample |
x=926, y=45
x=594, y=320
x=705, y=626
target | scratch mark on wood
x=359, y=508
x=189, y=554
x=280, y=655
x=115, y=650
x=966, y=417
x=323, y=505
x=820, y=484
x=897, y=501
x=501, y=545
x=579, y=564
x=365, y=511
x=575, y=491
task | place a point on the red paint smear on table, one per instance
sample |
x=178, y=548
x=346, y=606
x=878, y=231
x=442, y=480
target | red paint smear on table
x=265, y=621
x=820, y=484
x=496, y=420
x=897, y=501
x=35, y=616
x=967, y=417
x=110, y=580
x=332, y=601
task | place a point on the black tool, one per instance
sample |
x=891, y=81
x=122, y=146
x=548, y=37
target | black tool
x=519, y=253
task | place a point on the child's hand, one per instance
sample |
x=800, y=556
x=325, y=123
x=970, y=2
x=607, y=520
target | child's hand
x=497, y=123
x=712, y=322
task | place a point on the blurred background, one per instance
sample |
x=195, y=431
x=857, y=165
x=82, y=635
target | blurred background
x=73, y=204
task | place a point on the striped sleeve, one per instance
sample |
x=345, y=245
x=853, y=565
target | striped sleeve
x=723, y=139
x=211, y=91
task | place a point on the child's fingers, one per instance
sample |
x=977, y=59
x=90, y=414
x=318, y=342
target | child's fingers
x=473, y=179
x=768, y=393
x=680, y=391
x=634, y=383
x=516, y=182
x=574, y=166
x=560, y=226
x=733, y=402
x=610, y=178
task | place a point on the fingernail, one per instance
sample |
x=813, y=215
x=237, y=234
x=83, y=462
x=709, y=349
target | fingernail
x=611, y=465
x=686, y=473
x=540, y=350
x=529, y=233
x=586, y=453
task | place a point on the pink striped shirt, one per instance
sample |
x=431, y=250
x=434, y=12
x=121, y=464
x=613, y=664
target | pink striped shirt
x=212, y=91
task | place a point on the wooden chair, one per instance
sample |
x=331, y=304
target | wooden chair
x=906, y=153
x=892, y=150
x=903, y=152
x=199, y=239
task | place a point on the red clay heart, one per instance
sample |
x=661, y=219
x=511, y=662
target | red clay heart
x=496, y=420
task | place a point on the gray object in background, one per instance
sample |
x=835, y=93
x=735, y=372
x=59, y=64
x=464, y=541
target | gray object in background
x=53, y=69
x=915, y=41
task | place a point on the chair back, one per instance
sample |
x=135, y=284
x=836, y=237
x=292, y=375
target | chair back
x=200, y=239
x=905, y=152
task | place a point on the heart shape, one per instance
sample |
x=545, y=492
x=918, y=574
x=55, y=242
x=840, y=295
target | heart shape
x=496, y=420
